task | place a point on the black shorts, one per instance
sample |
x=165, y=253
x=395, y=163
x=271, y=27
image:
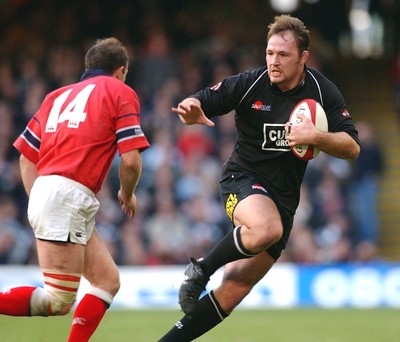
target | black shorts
x=237, y=185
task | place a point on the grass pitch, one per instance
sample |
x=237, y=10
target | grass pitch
x=284, y=325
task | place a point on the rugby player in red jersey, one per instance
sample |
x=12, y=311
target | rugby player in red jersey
x=66, y=151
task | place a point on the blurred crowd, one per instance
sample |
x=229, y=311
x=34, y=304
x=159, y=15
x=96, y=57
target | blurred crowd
x=179, y=209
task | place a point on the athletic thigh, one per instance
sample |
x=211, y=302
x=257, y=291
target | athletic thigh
x=257, y=211
x=248, y=201
x=239, y=278
x=99, y=267
x=60, y=256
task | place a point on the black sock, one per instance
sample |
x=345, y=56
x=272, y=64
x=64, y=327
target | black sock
x=230, y=248
x=206, y=316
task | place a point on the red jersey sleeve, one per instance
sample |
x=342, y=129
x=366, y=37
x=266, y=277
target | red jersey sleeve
x=129, y=133
x=28, y=142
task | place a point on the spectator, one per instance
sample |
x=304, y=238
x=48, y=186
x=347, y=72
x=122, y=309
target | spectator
x=166, y=231
x=367, y=172
x=206, y=223
x=16, y=240
x=155, y=65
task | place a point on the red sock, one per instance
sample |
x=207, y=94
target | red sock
x=16, y=301
x=87, y=317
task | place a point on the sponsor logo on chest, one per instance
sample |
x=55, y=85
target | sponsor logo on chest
x=258, y=105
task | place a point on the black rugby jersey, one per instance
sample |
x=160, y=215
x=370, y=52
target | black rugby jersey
x=262, y=111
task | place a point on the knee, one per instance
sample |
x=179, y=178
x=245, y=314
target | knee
x=51, y=302
x=58, y=295
x=261, y=237
x=110, y=284
x=271, y=234
x=115, y=285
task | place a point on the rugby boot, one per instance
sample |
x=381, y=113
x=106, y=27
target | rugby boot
x=193, y=284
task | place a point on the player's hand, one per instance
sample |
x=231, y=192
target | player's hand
x=128, y=204
x=303, y=133
x=190, y=112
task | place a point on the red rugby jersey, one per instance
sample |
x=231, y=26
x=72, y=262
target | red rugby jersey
x=78, y=128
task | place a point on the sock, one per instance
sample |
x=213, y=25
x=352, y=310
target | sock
x=206, y=316
x=87, y=317
x=16, y=301
x=230, y=248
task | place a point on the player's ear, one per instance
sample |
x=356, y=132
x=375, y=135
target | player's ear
x=120, y=73
x=304, y=56
x=124, y=70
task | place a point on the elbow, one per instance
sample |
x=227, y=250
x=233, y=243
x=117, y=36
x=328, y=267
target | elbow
x=131, y=160
x=355, y=152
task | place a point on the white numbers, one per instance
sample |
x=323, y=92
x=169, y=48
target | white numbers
x=74, y=112
x=52, y=121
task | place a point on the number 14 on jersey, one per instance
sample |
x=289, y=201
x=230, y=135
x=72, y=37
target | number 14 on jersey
x=74, y=112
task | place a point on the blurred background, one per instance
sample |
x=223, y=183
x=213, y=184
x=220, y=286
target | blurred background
x=349, y=211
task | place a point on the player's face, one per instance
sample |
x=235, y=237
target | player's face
x=284, y=61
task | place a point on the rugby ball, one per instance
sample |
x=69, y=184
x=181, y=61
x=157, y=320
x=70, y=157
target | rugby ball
x=314, y=111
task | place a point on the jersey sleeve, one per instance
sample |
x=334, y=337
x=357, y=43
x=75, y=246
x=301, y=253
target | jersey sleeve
x=339, y=118
x=227, y=94
x=28, y=142
x=128, y=130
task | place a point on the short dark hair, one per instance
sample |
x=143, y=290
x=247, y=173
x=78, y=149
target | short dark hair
x=108, y=54
x=285, y=22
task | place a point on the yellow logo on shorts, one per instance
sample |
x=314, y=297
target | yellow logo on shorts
x=230, y=205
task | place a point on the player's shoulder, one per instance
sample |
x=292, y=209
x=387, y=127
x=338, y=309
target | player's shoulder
x=322, y=83
x=246, y=79
x=106, y=85
x=317, y=76
x=112, y=85
x=54, y=93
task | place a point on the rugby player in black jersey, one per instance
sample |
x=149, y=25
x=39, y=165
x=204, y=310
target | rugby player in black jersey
x=260, y=184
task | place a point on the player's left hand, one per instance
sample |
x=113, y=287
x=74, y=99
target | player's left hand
x=128, y=205
x=303, y=133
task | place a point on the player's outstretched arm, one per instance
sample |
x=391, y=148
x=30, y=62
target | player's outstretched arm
x=190, y=112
